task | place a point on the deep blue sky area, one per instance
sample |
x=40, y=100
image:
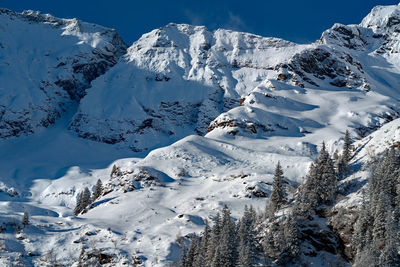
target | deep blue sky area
x=294, y=20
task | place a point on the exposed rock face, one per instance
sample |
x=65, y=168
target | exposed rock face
x=130, y=180
x=321, y=64
x=342, y=222
x=51, y=63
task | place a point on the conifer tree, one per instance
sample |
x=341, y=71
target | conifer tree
x=362, y=228
x=343, y=167
x=226, y=253
x=192, y=251
x=78, y=208
x=214, y=239
x=98, y=190
x=278, y=196
x=291, y=236
x=201, y=258
x=183, y=259
x=347, y=147
x=327, y=177
x=25, y=219
x=320, y=186
x=247, y=239
x=84, y=200
x=389, y=255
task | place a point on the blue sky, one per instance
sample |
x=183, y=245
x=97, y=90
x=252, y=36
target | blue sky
x=299, y=21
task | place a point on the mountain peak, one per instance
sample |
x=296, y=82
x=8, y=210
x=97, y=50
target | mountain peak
x=383, y=19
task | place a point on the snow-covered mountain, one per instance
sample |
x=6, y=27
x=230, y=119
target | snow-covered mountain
x=46, y=64
x=182, y=79
x=173, y=82
x=191, y=120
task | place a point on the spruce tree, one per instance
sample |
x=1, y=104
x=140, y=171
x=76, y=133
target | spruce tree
x=84, y=200
x=201, y=258
x=362, y=228
x=291, y=234
x=347, y=147
x=343, y=161
x=327, y=177
x=278, y=196
x=214, y=239
x=320, y=186
x=307, y=196
x=247, y=239
x=183, y=259
x=245, y=258
x=389, y=255
x=192, y=251
x=380, y=219
x=78, y=208
x=98, y=190
x=25, y=219
x=226, y=253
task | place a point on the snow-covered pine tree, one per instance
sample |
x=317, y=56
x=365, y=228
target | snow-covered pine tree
x=327, y=177
x=343, y=161
x=347, y=147
x=217, y=261
x=320, y=186
x=78, y=207
x=369, y=256
x=291, y=234
x=226, y=253
x=247, y=238
x=25, y=219
x=214, y=239
x=390, y=169
x=307, y=196
x=363, y=227
x=380, y=219
x=200, y=260
x=193, y=250
x=243, y=252
x=244, y=258
x=268, y=242
x=84, y=200
x=278, y=196
x=389, y=255
x=98, y=190
x=183, y=259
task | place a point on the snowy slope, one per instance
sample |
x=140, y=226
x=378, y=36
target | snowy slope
x=189, y=182
x=46, y=62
